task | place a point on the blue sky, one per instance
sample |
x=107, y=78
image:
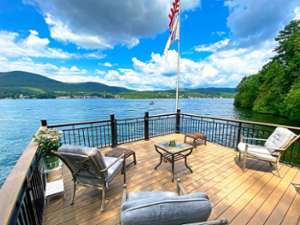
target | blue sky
x=121, y=42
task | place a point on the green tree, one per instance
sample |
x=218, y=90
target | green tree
x=247, y=92
x=276, y=88
x=292, y=101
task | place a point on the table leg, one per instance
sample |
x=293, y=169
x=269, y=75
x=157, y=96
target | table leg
x=160, y=161
x=186, y=165
x=134, y=158
x=173, y=162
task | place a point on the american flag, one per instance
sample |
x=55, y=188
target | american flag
x=173, y=12
x=173, y=24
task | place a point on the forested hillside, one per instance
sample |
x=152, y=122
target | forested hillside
x=16, y=83
x=19, y=84
x=276, y=88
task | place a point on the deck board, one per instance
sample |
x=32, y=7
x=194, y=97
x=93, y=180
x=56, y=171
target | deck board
x=256, y=196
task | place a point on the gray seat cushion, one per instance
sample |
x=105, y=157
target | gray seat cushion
x=115, y=169
x=257, y=151
x=139, y=198
x=133, y=196
x=93, y=153
x=91, y=159
x=77, y=149
x=169, y=208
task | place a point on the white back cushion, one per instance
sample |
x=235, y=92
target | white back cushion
x=279, y=139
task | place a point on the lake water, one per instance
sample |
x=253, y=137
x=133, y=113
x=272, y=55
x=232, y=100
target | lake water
x=19, y=119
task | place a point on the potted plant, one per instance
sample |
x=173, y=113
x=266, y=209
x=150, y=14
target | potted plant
x=48, y=141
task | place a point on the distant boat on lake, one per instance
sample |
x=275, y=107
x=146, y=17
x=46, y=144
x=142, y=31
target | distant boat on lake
x=151, y=103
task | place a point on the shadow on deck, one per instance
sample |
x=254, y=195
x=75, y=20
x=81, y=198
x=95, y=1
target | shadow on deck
x=254, y=197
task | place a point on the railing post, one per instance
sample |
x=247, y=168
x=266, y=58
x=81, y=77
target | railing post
x=239, y=135
x=146, y=125
x=177, y=121
x=44, y=123
x=114, y=134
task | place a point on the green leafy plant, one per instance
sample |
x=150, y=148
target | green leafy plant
x=48, y=141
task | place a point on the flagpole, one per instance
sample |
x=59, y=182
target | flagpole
x=178, y=61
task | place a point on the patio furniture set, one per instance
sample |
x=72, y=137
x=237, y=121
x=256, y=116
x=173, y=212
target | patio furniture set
x=90, y=168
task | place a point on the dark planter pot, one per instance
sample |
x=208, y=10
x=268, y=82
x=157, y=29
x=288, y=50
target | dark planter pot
x=51, y=162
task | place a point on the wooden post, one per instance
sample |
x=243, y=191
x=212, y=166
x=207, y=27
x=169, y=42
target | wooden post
x=114, y=134
x=146, y=125
x=177, y=121
x=44, y=123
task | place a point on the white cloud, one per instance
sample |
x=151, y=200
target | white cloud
x=74, y=69
x=190, y=4
x=222, y=68
x=107, y=64
x=47, y=69
x=252, y=22
x=31, y=46
x=219, y=33
x=106, y=23
x=94, y=55
x=297, y=13
x=62, y=32
x=212, y=47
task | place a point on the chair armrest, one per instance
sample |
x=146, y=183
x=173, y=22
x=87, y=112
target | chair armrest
x=276, y=153
x=180, y=189
x=212, y=222
x=249, y=138
x=118, y=159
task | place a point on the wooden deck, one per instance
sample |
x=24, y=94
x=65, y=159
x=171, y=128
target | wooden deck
x=254, y=197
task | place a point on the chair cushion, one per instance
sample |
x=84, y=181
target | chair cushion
x=133, y=196
x=279, y=139
x=257, y=151
x=138, y=198
x=76, y=149
x=115, y=169
x=94, y=154
x=170, y=209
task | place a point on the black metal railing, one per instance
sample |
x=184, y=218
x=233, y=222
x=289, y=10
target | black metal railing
x=26, y=207
x=22, y=195
x=129, y=130
x=226, y=132
x=91, y=133
x=223, y=131
x=162, y=124
x=117, y=131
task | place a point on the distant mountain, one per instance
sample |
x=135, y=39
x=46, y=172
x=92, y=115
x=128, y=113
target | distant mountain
x=31, y=80
x=19, y=84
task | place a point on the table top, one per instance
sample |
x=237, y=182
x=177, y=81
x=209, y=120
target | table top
x=180, y=147
x=116, y=152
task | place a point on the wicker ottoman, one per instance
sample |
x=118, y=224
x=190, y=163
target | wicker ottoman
x=116, y=152
x=196, y=138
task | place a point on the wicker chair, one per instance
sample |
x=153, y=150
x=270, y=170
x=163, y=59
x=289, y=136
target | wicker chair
x=271, y=151
x=90, y=168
